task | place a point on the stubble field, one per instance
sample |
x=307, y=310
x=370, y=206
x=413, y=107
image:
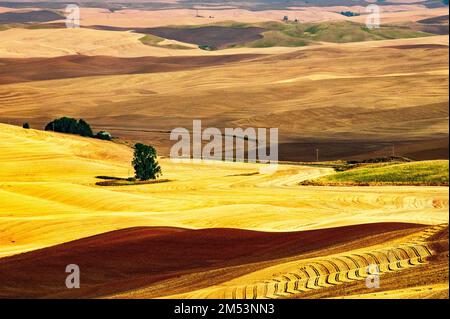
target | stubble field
x=248, y=234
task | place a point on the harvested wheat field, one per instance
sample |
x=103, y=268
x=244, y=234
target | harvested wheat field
x=179, y=16
x=358, y=206
x=300, y=238
x=374, y=104
x=140, y=18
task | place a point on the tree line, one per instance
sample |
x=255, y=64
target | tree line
x=70, y=125
x=144, y=162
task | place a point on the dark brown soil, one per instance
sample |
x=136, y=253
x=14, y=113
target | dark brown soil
x=38, y=69
x=212, y=36
x=435, y=20
x=131, y=258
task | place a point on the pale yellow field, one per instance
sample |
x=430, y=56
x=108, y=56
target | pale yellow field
x=22, y=43
x=26, y=43
x=48, y=195
x=29, y=43
x=139, y=18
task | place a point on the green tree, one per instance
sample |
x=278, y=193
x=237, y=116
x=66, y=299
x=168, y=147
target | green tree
x=26, y=125
x=145, y=162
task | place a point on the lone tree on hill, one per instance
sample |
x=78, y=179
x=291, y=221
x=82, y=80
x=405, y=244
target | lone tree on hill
x=145, y=162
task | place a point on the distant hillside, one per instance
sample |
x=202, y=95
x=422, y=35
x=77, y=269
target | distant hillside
x=291, y=34
x=271, y=34
x=254, y=5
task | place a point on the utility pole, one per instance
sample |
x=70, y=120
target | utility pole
x=317, y=155
x=393, y=150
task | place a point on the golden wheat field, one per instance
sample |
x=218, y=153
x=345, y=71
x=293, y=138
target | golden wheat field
x=341, y=95
x=49, y=197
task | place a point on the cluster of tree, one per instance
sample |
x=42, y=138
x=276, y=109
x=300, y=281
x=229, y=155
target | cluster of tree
x=349, y=13
x=72, y=126
x=145, y=160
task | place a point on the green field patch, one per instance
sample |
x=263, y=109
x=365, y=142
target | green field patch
x=301, y=34
x=426, y=173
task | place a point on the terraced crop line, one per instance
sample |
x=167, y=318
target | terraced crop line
x=339, y=269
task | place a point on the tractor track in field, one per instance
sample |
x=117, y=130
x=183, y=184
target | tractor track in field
x=338, y=269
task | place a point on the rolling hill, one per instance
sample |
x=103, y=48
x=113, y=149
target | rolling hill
x=287, y=88
x=138, y=262
x=372, y=104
